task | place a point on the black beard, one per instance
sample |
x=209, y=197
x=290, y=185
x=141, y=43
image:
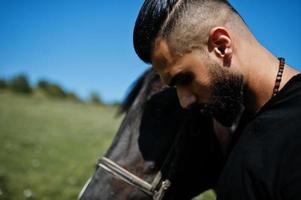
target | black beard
x=227, y=95
x=228, y=98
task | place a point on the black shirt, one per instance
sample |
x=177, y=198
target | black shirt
x=265, y=162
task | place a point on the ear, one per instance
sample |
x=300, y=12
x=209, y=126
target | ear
x=221, y=43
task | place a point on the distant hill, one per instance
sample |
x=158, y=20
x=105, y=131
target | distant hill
x=44, y=88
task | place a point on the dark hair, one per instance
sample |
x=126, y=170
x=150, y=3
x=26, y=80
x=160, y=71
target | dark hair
x=152, y=16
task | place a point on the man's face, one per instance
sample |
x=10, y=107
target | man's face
x=200, y=82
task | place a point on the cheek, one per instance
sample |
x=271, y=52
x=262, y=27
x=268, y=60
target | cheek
x=202, y=87
x=203, y=91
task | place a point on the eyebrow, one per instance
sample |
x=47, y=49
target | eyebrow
x=181, y=78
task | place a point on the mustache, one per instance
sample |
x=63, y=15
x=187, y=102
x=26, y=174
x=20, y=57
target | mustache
x=221, y=111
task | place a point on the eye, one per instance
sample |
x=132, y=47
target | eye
x=185, y=79
x=182, y=78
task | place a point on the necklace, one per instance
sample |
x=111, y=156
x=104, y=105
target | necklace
x=279, y=76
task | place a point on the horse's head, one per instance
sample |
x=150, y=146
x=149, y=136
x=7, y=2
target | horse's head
x=157, y=136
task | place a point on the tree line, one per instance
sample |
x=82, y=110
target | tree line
x=21, y=85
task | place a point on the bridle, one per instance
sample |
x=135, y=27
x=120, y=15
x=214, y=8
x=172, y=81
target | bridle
x=156, y=189
x=161, y=182
x=159, y=186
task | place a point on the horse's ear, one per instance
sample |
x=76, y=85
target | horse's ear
x=133, y=93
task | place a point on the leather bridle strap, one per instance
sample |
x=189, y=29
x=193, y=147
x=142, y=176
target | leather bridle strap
x=151, y=189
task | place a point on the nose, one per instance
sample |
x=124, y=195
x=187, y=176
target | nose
x=186, y=97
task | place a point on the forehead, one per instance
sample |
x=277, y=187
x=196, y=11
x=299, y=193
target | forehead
x=163, y=60
x=162, y=56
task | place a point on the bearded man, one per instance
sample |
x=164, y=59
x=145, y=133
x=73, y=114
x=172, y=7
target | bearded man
x=205, y=50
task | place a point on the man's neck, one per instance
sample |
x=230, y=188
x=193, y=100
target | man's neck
x=260, y=79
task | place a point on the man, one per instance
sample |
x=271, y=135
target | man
x=205, y=50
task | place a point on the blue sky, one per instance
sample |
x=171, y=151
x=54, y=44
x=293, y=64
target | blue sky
x=86, y=45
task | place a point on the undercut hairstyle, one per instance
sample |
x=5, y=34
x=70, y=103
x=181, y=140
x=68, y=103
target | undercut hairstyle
x=184, y=24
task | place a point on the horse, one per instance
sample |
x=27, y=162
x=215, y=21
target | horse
x=159, y=143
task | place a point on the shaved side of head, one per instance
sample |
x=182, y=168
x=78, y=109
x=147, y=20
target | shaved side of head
x=184, y=24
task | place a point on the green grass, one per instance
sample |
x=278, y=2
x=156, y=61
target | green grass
x=48, y=147
x=208, y=195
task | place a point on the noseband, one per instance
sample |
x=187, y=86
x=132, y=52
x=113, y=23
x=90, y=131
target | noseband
x=156, y=189
x=160, y=185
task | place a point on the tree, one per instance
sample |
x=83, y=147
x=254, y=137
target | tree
x=20, y=84
x=3, y=84
x=43, y=84
x=56, y=91
x=51, y=89
x=72, y=96
x=95, y=98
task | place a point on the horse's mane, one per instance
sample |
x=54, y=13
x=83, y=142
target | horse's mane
x=133, y=92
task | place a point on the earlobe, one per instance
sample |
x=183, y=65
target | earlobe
x=228, y=53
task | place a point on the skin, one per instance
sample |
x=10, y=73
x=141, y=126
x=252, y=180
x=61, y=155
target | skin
x=168, y=64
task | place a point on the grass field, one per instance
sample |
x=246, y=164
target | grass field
x=48, y=147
